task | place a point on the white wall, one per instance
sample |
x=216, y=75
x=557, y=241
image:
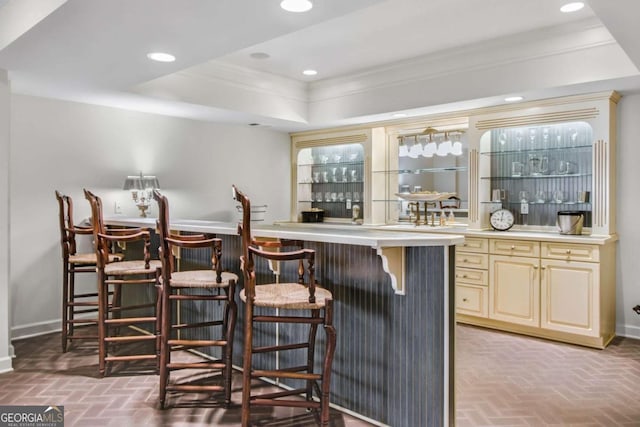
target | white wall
x=5, y=102
x=70, y=146
x=628, y=176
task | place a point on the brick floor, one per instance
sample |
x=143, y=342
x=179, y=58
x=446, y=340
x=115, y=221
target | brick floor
x=501, y=380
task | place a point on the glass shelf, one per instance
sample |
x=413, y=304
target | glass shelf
x=568, y=175
x=332, y=183
x=537, y=150
x=424, y=170
x=333, y=164
x=331, y=201
x=540, y=203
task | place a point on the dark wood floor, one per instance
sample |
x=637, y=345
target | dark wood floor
x=502, y=380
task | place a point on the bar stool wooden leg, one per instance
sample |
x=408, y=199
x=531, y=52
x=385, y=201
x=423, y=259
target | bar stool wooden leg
x=103, y=295
x=330, y=349
x=229, y=326
x=65, y=305
x=246, y=364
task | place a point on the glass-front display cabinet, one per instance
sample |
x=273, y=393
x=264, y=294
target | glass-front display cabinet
x=331, y=172
x=543, y=160
x=426, y=174
x=331, y=182
x=537, y=171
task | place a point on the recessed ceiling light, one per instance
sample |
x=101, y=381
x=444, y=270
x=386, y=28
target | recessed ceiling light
x=296, y=5
x=260, y=55
x=309, y=72
x=398, y=115
x=572, y=7
x=513, y=98
x=161, y=57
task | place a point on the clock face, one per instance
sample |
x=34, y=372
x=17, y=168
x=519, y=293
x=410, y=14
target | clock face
x=502, y=219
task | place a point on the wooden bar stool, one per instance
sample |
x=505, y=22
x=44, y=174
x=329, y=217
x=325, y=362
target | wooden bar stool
x=124, y=273
x=192, y=286
x=304, y=303
x=73, y=303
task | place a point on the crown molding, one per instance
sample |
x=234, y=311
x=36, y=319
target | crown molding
x=520, y=48
x=248, y=79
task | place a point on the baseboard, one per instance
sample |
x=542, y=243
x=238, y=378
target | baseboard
x=35, y=329
x=5, y=365
x=629, y=331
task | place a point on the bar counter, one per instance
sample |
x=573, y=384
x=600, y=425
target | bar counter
x=393, y=312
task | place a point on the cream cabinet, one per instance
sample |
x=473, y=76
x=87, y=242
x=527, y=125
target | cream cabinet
x=558, y=290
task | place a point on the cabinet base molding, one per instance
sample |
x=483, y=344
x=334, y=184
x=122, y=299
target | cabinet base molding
x=594, y=342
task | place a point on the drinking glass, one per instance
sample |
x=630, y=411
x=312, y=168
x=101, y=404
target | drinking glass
x=558, y=196
x=327, y=196
x=517, y=168
x=541, y=196
x=356, y=196
x=523, y=196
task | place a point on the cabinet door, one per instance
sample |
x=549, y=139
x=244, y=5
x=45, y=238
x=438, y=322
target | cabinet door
x=570, y=297
x=514, y=289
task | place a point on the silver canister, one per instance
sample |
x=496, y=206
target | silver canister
x=570, y=222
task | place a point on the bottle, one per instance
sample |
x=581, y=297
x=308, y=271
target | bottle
x=452, y=217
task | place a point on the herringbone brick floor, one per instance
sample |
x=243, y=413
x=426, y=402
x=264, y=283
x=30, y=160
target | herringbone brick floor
x=510, y=380
x=501, y=380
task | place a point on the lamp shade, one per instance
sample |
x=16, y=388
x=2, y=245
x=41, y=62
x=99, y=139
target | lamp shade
x=140, y=182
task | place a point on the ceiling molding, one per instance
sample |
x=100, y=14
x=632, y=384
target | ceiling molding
x=519, y=48
x=249, y=79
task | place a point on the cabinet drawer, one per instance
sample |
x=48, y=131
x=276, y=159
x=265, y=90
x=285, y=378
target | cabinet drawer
x=514, y=247
x=472, y=260
x=474, y=244
x=472, y=276
x=570, y=251
x=472, y=300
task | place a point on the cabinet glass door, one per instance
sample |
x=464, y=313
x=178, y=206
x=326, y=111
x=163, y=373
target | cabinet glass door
x=539, y=170
x=331, y=179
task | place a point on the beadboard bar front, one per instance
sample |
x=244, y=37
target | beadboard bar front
x=395, y=352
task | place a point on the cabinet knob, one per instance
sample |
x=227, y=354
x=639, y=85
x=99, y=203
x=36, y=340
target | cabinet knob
x=464, y=276
x=543, y=267
x=568, y=251
x=464, y=260
x=513, y=247
x=464, y=244
x=464, y=300
x=535, y=267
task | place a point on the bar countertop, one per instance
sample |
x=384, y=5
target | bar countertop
x=353, y=235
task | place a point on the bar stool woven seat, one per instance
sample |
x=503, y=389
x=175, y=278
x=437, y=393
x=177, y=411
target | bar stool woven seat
x=200, y=279
x=288, y=296
x=131, y=267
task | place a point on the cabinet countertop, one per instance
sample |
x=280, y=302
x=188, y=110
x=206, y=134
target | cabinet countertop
x=545, y=236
